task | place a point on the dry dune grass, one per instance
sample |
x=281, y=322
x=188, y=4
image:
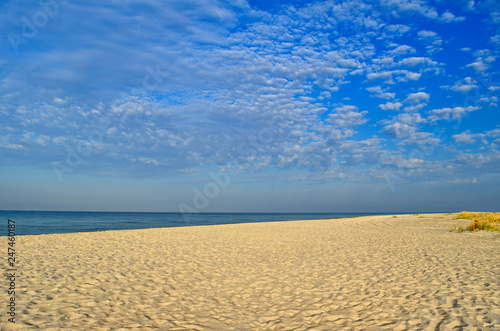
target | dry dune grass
x=480, y=221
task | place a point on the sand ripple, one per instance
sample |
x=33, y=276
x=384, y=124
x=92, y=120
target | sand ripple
x=367, y=273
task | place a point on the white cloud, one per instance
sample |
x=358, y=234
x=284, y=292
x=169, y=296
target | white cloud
x=490, y=59
x=483, y=60
x=347, y=63
x=404, y=7
x=411, y=76
x=495, y=39
x=464, y=86
x=414, y=61
x=402, y=49
x=385, y=62
x=481, y=52
x=402, y=126
x=478, y=65
x=147, y=160
x=492, y=100
x=495, y=17
x=347, y=116
x=385, y=75
x=375, y=89
x=387, y=95
x=59, y=101
x=455, y=113
x=391, y=106
x=42, y=140
x=418, y=97
x=465, y=137
x=448, y=17
x=222, y=82
x=388, y=76
x=397, y=29
x=421, y=139
x=488, y=139
x=380, y=92
x=414, y=108
x=432, y=39
x=495, y=133
x=426, y=34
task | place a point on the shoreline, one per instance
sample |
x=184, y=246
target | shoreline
x=377, y=272
x=255, y=222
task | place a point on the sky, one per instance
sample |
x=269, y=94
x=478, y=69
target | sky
x=250, y=106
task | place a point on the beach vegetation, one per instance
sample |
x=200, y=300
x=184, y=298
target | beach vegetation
x=480, y=221
x=460, y=229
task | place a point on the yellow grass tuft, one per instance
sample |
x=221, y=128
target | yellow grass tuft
x=481, y=221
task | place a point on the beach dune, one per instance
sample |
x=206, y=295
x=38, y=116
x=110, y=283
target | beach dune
x=406, y=272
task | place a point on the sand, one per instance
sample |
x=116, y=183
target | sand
x=368, y=273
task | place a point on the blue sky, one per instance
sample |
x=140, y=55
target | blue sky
x=198, y=105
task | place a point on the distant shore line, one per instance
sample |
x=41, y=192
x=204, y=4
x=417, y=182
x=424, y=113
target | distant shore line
x=252, y=220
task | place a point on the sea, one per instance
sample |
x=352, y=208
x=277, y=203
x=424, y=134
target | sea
x=48, y=222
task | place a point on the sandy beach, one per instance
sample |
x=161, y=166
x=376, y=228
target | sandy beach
x=403, y=272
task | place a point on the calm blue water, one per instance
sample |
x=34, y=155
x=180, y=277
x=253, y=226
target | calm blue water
x=45, y=222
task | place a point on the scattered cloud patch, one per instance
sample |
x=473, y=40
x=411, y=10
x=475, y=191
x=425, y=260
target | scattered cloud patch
x=381, y=93
x=464, y=86
x=402, y=49
x=456, y=113
x=466, y=137
x=347, y=117
x=448, y=17
x=427, y=35
x=415, y=61
x=402, y=126
x=418, y=97
x=478, y=65
x=391, y=106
